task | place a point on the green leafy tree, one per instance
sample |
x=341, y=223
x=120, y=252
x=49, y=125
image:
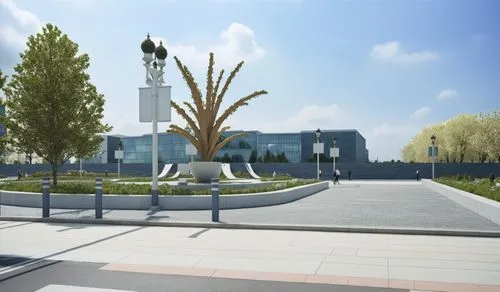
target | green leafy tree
x=226, y=158
x=322, y=158
x=268, y=157
x=465, y=138
x=282, y=157
x=236, y=158
x=3, y=79
x=253, y=157
x=4, y=139
x=53, y=108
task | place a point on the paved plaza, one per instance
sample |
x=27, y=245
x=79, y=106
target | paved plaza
x=393, y=204
x=63, y=257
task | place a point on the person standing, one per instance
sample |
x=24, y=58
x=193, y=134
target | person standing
x=418, y=175
x=337, y=175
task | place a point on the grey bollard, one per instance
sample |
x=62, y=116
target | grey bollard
x=46, y=197
x=98, y=198
x=215, y=199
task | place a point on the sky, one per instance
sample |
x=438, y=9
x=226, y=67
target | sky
x=387, y=68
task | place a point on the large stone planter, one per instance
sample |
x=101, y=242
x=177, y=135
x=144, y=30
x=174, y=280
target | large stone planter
x=204, y=171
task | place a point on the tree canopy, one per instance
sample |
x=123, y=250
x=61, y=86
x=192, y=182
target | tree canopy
x=4, y=139
x=465, y=138
x=53, y=109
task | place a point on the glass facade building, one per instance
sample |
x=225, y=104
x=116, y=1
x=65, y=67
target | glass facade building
x=297, y=147
x=288, y=143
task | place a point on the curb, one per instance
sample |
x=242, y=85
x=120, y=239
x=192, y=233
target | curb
x=482, y=206
x=316, y=228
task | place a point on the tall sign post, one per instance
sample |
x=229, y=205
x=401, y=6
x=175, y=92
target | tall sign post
x=334, y=152
x=119, y=156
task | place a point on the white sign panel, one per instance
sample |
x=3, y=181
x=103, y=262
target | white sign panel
x=429, y=151
x=190, y=149
x=334, y=152
x=118, y=154
x=146, y=104
x=318, y=148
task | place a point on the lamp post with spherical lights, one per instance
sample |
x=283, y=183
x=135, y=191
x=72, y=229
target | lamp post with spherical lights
x=433, y=154
x=318, y=149
x=154, y=65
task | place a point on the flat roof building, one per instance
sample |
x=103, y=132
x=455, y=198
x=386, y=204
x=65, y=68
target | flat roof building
x=255, y=147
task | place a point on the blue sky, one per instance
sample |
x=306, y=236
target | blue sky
x=386, y=68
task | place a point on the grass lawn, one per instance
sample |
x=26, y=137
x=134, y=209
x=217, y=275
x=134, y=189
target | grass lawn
x=478, y=186
x=87, y=187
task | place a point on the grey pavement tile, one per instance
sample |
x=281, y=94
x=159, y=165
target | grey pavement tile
x=369, y=205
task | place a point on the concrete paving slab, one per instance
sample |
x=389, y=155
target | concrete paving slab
x=374, y=204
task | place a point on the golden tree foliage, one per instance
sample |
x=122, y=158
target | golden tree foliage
x=203, y=118
x=465, y=138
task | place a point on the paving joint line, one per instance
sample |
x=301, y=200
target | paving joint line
x=315, y=228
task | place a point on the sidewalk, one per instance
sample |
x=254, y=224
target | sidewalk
x=412, y=262
x=378, y=204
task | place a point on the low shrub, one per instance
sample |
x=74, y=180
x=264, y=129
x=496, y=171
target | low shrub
x=142, y=189
x=481, y=187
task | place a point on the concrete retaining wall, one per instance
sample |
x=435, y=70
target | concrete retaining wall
x=485, y=207
x=300, y=170
x=142, y=202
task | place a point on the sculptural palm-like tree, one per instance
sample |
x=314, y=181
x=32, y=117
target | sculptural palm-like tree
x=206, y=124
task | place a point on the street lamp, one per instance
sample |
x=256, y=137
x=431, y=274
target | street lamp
x=318, y=133
x=154, y=78
x=433, y=140
x=119, y=155
x=334, y=140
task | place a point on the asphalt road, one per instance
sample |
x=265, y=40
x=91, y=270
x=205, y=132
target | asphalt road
x=67, y=276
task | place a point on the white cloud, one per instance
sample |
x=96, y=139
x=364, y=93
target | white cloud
x=385, y=141
x=16, y=25
x=23, y=18
x=308, y=117
x=421, y=112
x=237, y=43
x=447, y=94
x=391, y=51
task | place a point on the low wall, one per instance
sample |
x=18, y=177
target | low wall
x=300, y=170
x=485, y=207
x=143, y=202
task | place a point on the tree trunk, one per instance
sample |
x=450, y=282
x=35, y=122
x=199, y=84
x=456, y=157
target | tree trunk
x=54, y=176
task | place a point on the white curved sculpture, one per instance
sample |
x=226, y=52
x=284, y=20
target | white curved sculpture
x=226, y=170
x=249, y=168
x=204, y=171
x=165, y=170
x=176, y=175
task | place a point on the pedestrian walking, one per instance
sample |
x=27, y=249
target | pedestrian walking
x=418, y=175
x=349, y=174
x=19, y=175
x=337, y=175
